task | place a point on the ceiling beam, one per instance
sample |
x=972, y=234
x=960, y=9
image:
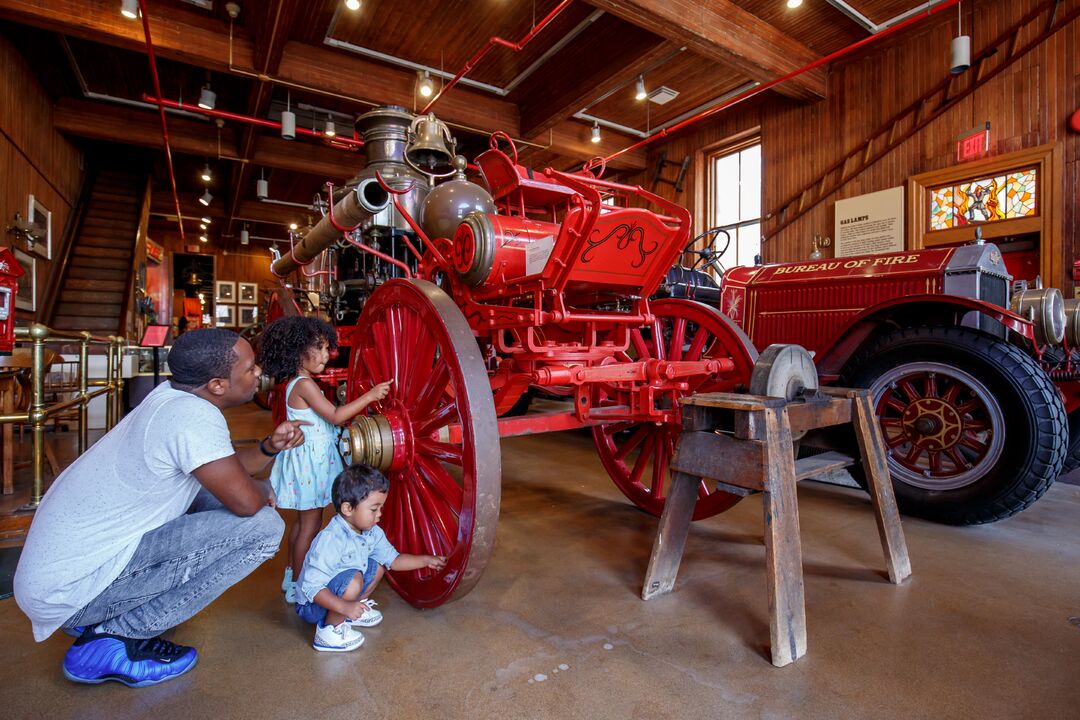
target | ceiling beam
x=161, y=204
x=723, y=31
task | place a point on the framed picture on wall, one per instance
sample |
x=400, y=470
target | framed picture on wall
x=249, y=293
x=225, y=291
x=26, y=299
x=225, y=315
x=40, y=227
x=249, y=315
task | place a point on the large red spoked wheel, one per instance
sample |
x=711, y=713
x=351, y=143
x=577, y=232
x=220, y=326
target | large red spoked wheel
x=636, y=455
x=444, y=492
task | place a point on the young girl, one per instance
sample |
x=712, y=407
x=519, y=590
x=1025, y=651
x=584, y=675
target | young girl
x=298, y=348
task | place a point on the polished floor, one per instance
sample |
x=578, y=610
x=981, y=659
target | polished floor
x=987, y=626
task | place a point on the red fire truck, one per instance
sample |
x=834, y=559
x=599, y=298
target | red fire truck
x=964, y=387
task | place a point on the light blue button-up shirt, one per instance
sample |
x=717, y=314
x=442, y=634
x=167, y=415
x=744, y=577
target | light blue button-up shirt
x=337, y=548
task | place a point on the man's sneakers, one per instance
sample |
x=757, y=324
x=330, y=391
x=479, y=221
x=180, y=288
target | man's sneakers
x=370, y=617
x=100, y=657
x=337, y=638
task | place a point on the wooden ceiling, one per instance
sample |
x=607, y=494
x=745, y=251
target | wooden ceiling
x=328, y=61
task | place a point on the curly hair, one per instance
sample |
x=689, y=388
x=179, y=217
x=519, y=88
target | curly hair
x=287, y=340
x=355, y=483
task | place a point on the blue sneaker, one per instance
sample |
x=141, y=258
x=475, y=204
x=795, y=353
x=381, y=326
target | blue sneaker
x=100, y=657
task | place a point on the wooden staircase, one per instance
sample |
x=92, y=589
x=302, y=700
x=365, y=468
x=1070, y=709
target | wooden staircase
x=97, y=276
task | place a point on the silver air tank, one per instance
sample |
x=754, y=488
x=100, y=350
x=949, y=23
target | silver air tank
x=449, y=202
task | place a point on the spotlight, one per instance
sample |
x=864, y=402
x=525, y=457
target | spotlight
x=203, y=238
x=353, y=5
x=205, y=198
x=293, y=226
x=595, y=132
x=206, y=176
x=640, y=93
x=330, y=130
x=244, y=236
x=794, y=3
x=129, y=9
x=206, y=219
x=202, y=226
x=427, y=86
x=288, y=125
x=959, y=48
x=207, y=98
x=262, y=188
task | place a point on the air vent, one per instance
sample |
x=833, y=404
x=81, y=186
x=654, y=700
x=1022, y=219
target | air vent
x=662, y=95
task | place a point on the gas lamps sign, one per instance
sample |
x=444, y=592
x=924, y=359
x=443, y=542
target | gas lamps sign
x=973, y=144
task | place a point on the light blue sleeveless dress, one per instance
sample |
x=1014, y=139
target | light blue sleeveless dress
x=303, y=476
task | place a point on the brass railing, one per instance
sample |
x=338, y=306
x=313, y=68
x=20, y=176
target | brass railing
x=38, y=412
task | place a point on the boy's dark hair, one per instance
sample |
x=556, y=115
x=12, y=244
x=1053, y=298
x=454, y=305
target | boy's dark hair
x=355, y=483
x=284, y=342
x=199, y=356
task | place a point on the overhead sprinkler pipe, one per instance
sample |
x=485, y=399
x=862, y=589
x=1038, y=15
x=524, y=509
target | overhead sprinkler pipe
x=352, y=142
x=945, y=5
x=161, y=111
x=516, y=47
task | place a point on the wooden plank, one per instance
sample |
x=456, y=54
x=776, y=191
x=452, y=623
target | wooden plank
x=783, y=546
x=811, y=415
x=739, y=463
x=815, y=465
x=670, y=540
x=731, y=401
x=872, y=447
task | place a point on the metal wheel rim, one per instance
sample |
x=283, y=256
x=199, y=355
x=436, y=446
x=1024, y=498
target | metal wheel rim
x=657, y=442
x=981, y=419
x=412, y=331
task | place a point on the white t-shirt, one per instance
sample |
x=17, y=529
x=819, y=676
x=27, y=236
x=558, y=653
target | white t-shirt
x=133, y=480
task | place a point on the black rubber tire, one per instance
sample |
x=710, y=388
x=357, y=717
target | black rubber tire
x=1072, y=457
x=1035, y=426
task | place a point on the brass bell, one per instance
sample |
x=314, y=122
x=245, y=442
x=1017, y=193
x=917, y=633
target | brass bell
x=430, y=149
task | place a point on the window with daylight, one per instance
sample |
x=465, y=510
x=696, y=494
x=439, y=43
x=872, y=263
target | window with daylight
x=734, y=193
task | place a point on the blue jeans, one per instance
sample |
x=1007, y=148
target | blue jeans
x=181, y=567
x=315, y=614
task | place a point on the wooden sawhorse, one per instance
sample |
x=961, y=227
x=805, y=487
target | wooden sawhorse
x=757, y=457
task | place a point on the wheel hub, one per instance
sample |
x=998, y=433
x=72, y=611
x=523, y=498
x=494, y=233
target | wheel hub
x=932, y=423
x=380, y=441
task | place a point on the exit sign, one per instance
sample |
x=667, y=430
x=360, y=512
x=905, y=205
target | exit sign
x=973, y=144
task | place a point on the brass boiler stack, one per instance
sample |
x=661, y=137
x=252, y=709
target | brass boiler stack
x=364, y=202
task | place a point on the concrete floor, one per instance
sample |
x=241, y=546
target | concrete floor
x=988, y=625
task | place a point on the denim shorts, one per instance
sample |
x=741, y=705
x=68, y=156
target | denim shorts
x=314, y=613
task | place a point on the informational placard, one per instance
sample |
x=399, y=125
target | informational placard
x=870, y=224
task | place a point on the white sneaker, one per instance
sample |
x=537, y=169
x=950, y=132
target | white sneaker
x=337, y=638
x=287, y=580
x=290, y=594
x=370, y=617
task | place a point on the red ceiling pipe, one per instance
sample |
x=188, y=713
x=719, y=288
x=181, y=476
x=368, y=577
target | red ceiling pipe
x=161, y=111
x=351, y=142
x=492, y=43
x=772, y=83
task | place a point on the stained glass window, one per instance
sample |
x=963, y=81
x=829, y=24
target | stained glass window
x=1001, y=197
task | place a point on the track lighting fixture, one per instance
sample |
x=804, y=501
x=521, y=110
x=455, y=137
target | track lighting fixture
x=206, y=176
x=203, y=238
x=129, y=9
x=207, y=97
x=960, y=48
x=262, y=187
x=202, y=226
x=206, y=198
x=206, y=219
x=244, y=236
x=792, y=4
x=426, y=86
x=639, y=93
x=353, y=5
x=288, y=121
x=595, y=132
x=330, y=130
x=293, y=226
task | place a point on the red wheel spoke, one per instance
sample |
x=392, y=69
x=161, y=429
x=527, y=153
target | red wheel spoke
x=660, y=466
x=444, y=520
x=698, y=345
x=909, y=390
x=424, y=522
x=442, y=483
x=976, y=425
x=973, y=404
x=642, y=460
x=957, y=458
x=442, y=451
x=639, y=345
x=970, y=441
x=442, y=417
x=930, y=383
x=891, y=401
x=913, y=454
x=433, y=389
x=657, y=340
x=951, y=392
x=632, y=442
x=678, y=336
x=896, y=440
x=935, y=461
x=891, y=422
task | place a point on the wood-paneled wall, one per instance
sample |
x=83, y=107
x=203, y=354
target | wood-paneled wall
x=1028, y=104
x=34, y=160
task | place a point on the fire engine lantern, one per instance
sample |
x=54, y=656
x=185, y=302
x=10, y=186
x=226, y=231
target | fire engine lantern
x=10, y=272
x=487, y=247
